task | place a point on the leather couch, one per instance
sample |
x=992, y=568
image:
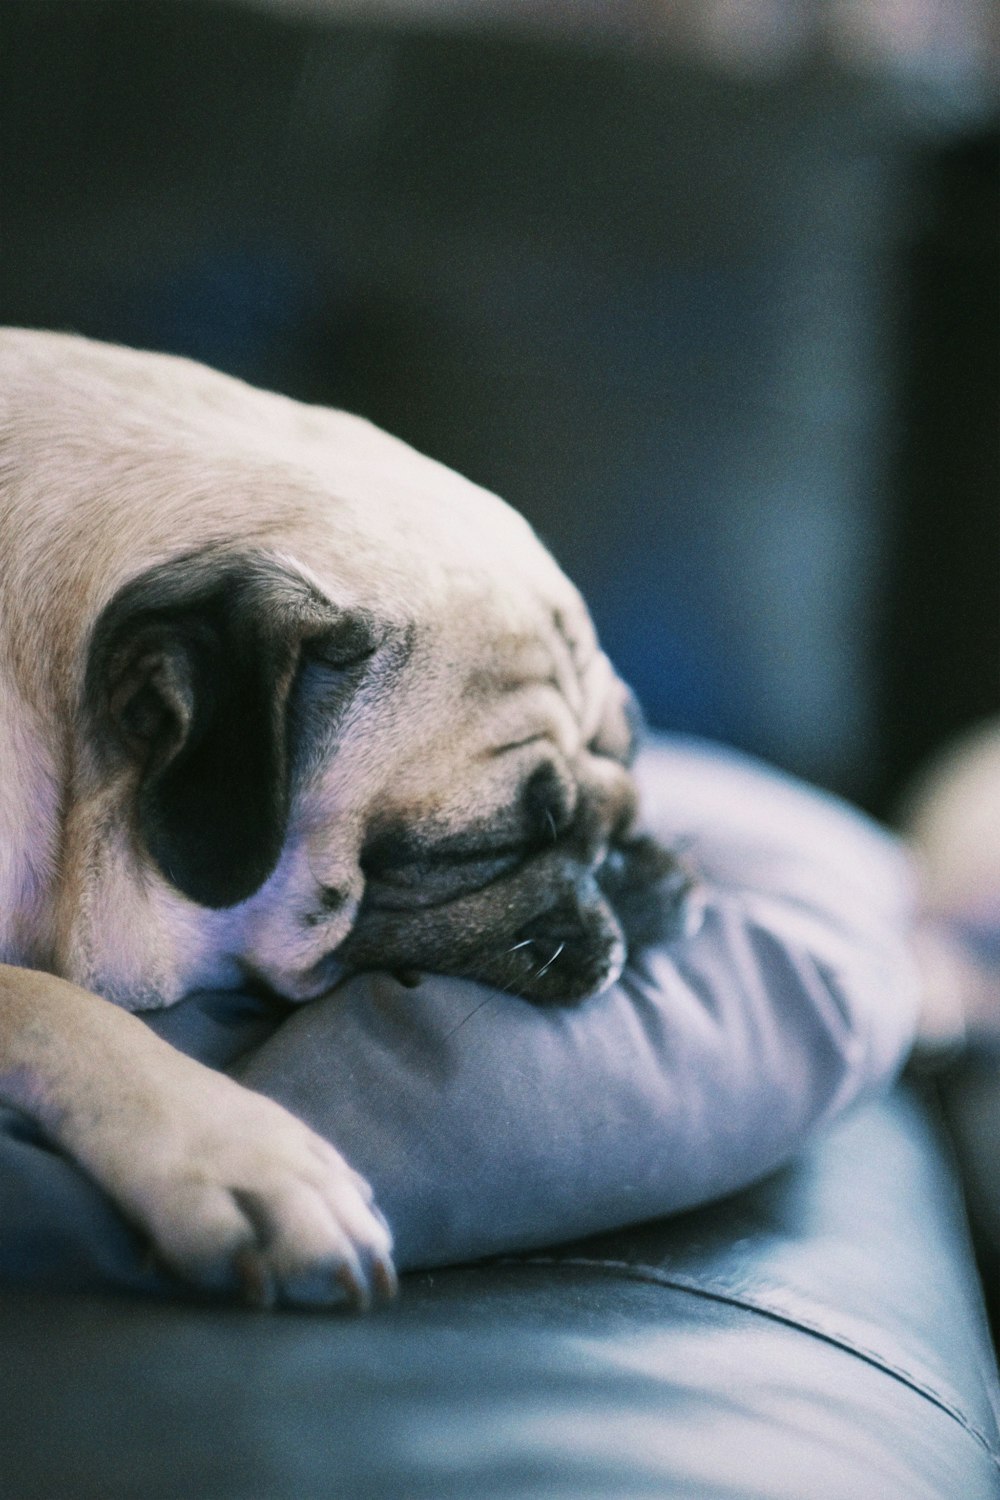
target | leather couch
x=819, y=1337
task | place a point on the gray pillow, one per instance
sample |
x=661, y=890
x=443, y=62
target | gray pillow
x=487, y=1124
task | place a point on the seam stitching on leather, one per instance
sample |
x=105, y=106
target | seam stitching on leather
x=841, y=1341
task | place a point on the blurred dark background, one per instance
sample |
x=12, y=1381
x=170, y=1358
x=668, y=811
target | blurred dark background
x=716, y=309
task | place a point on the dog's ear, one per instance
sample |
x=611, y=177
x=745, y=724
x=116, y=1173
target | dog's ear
x=189, y=678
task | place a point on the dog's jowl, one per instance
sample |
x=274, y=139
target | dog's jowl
x=280, y=699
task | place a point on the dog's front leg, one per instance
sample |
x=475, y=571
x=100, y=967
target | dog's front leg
x=230, y=1187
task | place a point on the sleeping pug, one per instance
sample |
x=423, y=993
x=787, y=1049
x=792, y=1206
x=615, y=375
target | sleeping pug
x=280, y=699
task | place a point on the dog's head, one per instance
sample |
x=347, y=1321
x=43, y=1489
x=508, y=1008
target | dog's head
x=340, y=789
x=335, y=706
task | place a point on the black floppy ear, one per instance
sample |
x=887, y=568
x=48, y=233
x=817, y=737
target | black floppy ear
x=189, y=677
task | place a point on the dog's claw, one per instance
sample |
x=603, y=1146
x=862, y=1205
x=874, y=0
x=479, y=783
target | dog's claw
x=386, y=1280
x=255, y=1281
x=358, y=1293
x=376, y=1282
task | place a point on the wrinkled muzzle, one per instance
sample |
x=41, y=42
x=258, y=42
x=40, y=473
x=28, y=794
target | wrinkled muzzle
x=550, y=935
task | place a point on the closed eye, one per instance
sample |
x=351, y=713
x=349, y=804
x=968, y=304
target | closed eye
x=433, y=880
x=408, y=868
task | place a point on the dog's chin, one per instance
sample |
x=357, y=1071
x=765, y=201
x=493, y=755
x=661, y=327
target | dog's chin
x=556, y=965
x=640, y=895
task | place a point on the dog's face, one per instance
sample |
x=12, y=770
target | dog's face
x=340, y=791
x=337, y=708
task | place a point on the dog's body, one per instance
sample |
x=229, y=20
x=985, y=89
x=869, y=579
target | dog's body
x=279, y=697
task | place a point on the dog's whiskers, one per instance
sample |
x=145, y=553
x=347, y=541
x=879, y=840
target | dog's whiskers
x=503, y=989
x=546, y=966
x=474, y=1011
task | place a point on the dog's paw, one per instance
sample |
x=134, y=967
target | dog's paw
x=237, y=1194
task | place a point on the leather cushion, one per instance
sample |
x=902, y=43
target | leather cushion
x=819, y=1335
